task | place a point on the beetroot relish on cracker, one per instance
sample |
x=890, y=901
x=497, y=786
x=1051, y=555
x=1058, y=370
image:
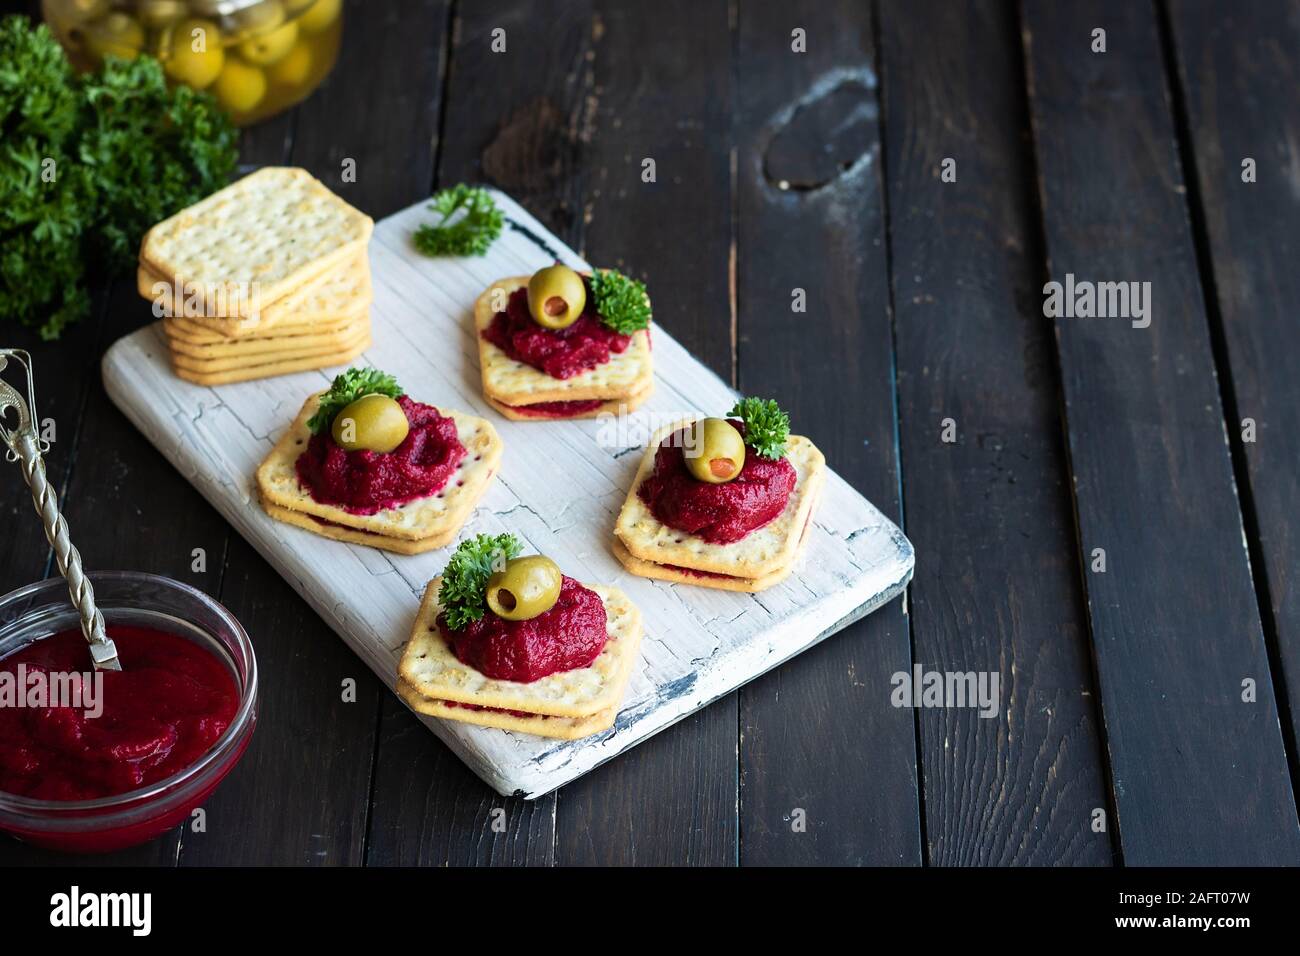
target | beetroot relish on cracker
x=560, y=353
x=509, y=641
x=374, y=447
x=558, y=344
x=517, y=618
x=706, y=484
x=722, y=502
x=367, y=464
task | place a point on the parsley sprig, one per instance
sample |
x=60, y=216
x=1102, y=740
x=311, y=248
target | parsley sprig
x=767, y=428
x=470, y=235
x=346, y=388
x=621, y=301
x=464, y=580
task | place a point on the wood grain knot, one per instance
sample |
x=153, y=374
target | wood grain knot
x=823, y=138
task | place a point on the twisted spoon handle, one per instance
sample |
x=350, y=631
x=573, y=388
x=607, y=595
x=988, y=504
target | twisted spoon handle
x=102, y=650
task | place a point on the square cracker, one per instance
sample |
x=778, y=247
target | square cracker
x=269, y=369
x=433, y=671
x=278, y=228
x=305, y=521
x=508, y=382
x=189, y=331
x=340, y=296
x=561, y=728
x=271, y=346
x=216, y=358
x=659, y=572
x=757, y=555
x=435, y=519
x=615, y=406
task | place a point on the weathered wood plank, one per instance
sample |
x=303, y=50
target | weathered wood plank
x=380, y=107
x=1239, y=70
x=1200, y=776
x=661, y=89
x=819, y=734
x=997, y=589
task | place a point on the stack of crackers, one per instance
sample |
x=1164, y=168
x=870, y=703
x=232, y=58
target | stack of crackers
x=565, y=705
x=265, y=277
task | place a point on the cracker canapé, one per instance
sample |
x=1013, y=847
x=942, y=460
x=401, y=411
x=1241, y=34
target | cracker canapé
x=437, y=517
x=433, y=671
x=760, y=553
x=508, y=382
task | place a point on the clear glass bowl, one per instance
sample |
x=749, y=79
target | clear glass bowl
x=257, y=57
x=148, y=600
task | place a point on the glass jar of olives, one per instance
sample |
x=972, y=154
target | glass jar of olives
x=257, y=57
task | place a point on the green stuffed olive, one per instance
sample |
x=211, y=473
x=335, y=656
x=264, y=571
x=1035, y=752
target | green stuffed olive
x=526, y=588
x=714, y=450
x=556, y=296
x=373, y=422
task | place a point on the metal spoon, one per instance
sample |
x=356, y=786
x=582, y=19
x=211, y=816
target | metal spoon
x=26, y=447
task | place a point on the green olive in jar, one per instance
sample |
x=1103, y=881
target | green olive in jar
x=373, y=422
x=714, y=450
x=293, y=70
x=320, y=15
x=526, y=588
x=239, y=87
x=156, y=14
x=86, y=9
x=556, y=296
x=266, y=15
x=270, y=46
x=118, y=34
x=196, y=56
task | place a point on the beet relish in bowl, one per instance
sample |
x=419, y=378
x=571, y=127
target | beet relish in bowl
x=132, y=753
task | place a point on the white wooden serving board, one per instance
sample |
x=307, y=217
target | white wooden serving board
x=560, y=487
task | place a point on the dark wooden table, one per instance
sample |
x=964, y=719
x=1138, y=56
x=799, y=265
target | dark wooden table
x=1103, y=530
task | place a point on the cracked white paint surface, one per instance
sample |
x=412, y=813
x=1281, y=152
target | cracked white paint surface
x=559, y=489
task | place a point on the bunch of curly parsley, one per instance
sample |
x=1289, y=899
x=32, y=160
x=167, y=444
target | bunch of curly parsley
x=87, y=164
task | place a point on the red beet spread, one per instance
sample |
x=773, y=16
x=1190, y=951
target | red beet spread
x=558, y=409
x=495, y=710
x=570, y=635
x=697, y=573
x=363, y=482
x=560, y=353
x=168, y=705
x=720, y=514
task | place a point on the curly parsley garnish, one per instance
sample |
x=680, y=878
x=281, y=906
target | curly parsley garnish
x=766, y=427
x=621, y=301
x=464, y=580
x=88, y=162
x=471, y=234
x=346, y=388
